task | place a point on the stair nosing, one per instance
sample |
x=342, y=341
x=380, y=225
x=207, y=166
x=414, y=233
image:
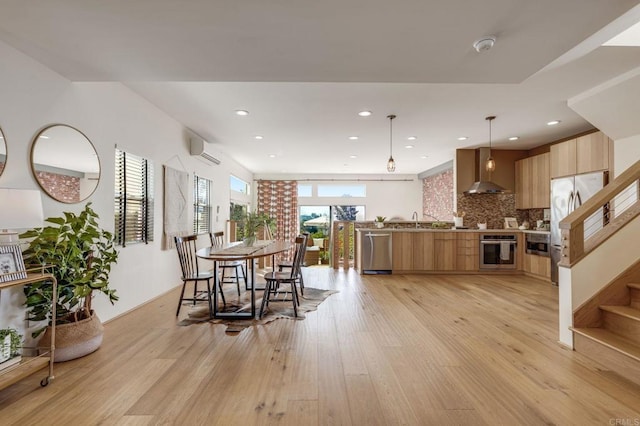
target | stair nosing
x=623, y=310
x=634, y=285
x=635, y=354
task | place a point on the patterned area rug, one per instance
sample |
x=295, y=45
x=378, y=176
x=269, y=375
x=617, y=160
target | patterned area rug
x=276, y=310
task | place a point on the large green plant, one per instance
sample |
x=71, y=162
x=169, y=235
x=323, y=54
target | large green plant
x=252, y=222
x=80, y=254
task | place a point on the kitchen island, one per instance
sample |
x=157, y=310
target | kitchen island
x=426, y=250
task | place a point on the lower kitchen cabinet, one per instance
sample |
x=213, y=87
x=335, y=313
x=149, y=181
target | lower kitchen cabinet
x=467, y=249
x=537, y=265
x=444, y=248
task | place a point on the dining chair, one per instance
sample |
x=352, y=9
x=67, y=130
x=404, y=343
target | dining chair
x=217, y=240
x=186, y=248
x=272, y=289
x=288, y=264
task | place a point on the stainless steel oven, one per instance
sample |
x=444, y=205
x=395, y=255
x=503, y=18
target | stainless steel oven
x=537, y=244
x=498, y=251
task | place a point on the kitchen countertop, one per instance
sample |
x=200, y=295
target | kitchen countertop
x=535, y=231
x=510, y=231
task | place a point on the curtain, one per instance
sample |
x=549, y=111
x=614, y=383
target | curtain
x=279, y=199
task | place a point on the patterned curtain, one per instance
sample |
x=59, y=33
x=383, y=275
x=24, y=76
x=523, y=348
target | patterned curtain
x=279, y=199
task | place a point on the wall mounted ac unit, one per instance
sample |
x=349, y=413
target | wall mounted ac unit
x=201, y=148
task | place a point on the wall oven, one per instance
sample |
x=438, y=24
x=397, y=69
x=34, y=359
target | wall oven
x=498, y=251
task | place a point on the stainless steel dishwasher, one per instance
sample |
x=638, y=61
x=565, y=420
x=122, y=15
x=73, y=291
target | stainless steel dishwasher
x=376, y=252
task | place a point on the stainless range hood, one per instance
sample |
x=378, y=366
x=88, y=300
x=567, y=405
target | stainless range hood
x=484, y=184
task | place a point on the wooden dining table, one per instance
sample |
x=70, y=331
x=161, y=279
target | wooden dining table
x=238, y=251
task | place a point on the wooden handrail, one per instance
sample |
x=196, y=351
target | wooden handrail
x=572, y=227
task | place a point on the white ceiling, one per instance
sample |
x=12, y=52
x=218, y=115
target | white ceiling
x=304, y=69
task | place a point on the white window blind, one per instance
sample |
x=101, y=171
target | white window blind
x=133, y=199
x=201, y=205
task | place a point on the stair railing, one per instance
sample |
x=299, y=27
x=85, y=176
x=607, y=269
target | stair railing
x=601, y=216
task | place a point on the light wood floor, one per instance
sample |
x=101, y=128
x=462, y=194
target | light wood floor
x=385, y=350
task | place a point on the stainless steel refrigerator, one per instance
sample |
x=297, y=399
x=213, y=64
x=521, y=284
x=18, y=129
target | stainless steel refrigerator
x=567, y=194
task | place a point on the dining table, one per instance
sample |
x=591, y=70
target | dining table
x=238, y=251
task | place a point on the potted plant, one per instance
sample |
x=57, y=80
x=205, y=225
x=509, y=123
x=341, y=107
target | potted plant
x=253, y=222
x=379, y=222
x=80, y=254
x=10, y=343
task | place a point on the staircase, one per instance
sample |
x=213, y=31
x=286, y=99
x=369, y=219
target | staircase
x=616, y=343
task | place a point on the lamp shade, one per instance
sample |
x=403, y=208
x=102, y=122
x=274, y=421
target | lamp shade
x=20, y=208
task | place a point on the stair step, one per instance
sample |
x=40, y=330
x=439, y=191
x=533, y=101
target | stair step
x=611, y=340
x=635, y=286
x=625, y=311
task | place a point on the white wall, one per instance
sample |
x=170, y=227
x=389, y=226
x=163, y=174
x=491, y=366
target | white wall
x=109, y=114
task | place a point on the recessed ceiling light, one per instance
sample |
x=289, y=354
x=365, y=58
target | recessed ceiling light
x=364, y=113
x=408, y=146
x=272, y=156
x=258, y=137
x=353, y=156
x=514, y=138
x=44, y=137
x=242, y=112
x=423, y=156
x=463, y=138
x=412, y=138
x=553, y=122
x=353, y=138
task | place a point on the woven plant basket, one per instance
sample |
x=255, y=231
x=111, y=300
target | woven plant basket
x=75, y=340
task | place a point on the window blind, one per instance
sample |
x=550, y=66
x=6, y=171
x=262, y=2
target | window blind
x=133, y=199
x=201, y=205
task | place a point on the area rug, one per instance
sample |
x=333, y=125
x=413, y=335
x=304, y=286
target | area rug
x=276, y=310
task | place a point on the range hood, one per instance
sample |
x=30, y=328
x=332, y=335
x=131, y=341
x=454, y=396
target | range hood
x=484, y=184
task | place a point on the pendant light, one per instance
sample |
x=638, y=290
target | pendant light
x=490, y=165
x=391, y=164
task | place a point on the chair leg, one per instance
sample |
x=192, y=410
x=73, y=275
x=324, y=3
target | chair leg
x=294, y=298
x=209, y=298
x=184, y=285
x=265, y=298
x=224, y=302
x=301, y=284
x=238, y=278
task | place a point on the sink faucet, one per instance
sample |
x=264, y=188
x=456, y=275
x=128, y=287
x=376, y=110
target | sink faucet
x=415, y=217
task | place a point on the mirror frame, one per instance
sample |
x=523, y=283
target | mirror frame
x=6, y=150
x=34, y=143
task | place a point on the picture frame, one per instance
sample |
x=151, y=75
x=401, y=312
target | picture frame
x=11, y=263
x=510, y=223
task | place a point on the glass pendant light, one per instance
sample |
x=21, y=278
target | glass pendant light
x=490, y=165
x=391, y=164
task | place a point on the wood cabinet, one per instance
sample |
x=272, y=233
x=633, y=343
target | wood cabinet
x=423, y=251
x=533, y=182
x=467, y=249
x=402, y=251
x=444, y=249
x=537, y=265
x=585, y=154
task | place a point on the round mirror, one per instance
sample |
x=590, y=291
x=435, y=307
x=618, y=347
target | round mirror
x=3, y=151
x=65, y=163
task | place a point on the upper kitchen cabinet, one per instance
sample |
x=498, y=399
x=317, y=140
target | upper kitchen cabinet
x=588, y=153
x=533, y=182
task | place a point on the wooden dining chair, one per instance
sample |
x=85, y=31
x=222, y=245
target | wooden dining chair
x=186, y=248
x=217, y=240
x=289, y=264
x=273, y=292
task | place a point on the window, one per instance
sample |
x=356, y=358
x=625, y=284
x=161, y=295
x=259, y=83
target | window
x=201, y=205
x=238, y=185
x=305, y=190
x=356, y=190
x=133, y=199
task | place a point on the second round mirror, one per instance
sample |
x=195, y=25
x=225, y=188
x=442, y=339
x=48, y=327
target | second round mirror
x=65, y=163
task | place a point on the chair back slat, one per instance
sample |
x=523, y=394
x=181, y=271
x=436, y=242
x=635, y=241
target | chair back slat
x=297, y=257
x=217, y=238
x=186, y=248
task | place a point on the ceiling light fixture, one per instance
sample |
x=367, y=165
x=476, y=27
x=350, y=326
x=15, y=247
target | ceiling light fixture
x=408, y=146
x=491, y=163
x=514, y=138
x=242, y=112
x=258, y=137
x=364, y=113
x=391, y=164
x=553, y=122
x=353, y=138
x=485, y=43
x=463, y=138
x=412, y=138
